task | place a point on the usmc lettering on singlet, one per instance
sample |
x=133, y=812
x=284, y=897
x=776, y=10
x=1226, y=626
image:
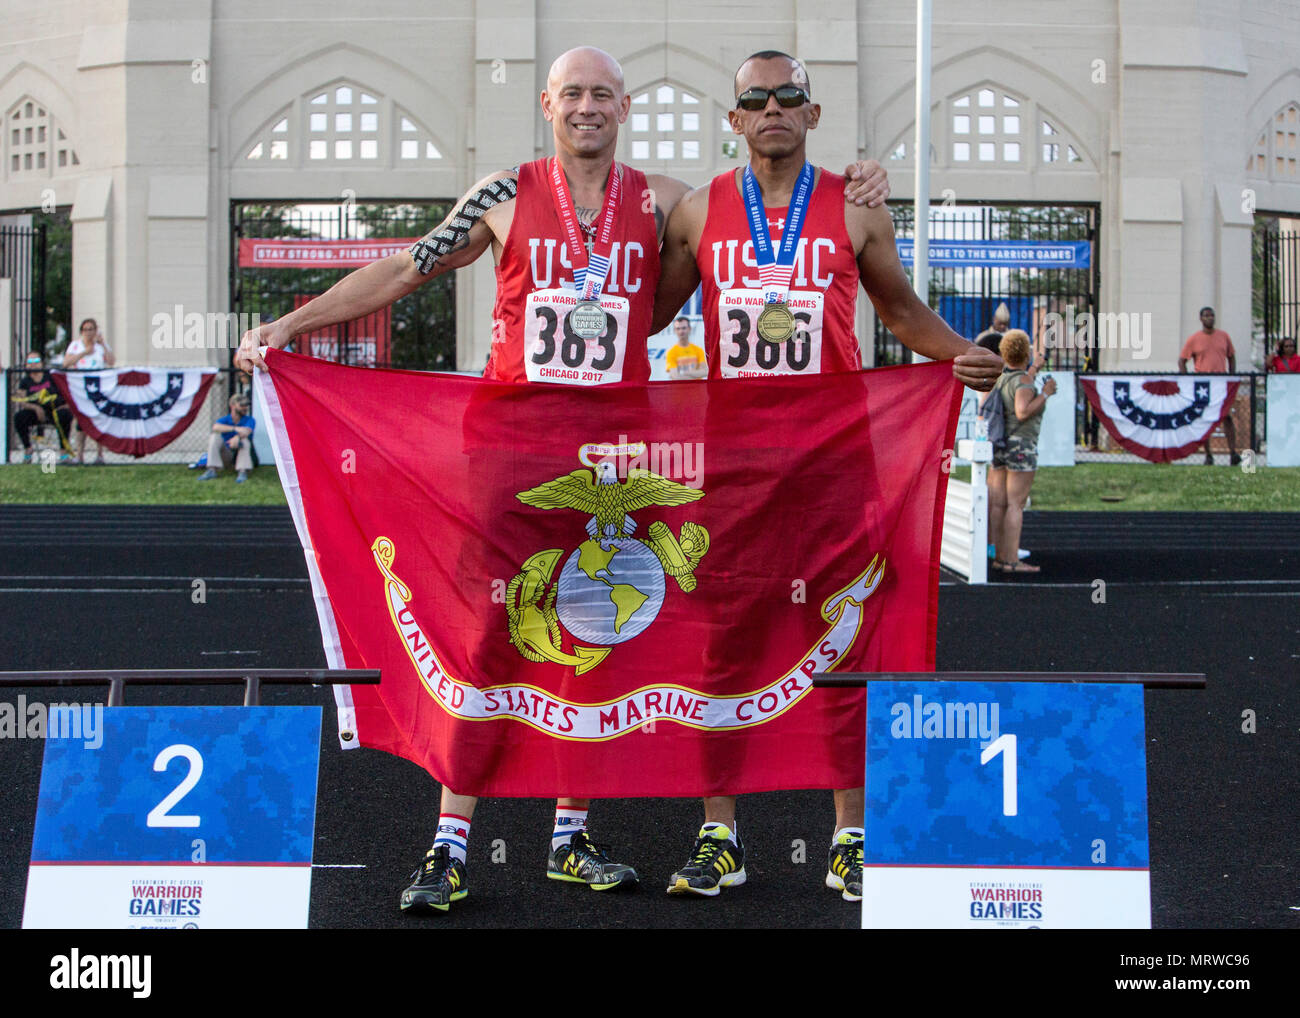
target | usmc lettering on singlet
x=626, y=265
x=734, y=265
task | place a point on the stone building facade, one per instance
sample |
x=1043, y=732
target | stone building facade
x=1178, y=118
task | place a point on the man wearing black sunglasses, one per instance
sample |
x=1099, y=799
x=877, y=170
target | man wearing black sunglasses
x=780, y=258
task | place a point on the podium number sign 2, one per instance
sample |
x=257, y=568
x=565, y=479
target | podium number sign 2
x=183, y=817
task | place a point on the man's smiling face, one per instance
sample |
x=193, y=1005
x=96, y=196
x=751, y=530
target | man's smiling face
x=585, y=101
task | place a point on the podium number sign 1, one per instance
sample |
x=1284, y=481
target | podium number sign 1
x=1005, y=804
x=183, y=817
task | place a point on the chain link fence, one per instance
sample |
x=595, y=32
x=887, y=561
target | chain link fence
x=185, y=448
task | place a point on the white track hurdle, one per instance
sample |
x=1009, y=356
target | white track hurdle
x=966, y=515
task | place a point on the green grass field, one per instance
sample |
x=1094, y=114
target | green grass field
x=1132, y=486
x=143, y=484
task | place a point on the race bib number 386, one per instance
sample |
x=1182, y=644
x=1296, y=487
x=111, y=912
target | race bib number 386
x=743, y=354
x=553, y=352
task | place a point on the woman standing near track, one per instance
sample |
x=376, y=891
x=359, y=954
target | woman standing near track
x=1014, y=465
x=88, y=352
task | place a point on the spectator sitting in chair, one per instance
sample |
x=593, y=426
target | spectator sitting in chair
x=39, y=403
x=232, y=441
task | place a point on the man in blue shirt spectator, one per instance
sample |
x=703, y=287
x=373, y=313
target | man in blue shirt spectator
x=232, y=441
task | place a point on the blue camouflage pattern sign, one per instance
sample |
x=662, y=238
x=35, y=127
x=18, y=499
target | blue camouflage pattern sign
x=241, y=779
x=1006, y=774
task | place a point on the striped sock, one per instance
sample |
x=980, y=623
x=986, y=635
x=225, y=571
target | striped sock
x=568, y=822
x=453, y=831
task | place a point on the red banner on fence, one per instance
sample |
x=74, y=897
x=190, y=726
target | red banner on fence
x=620, y=589
x=366, y=341
x=293, y=252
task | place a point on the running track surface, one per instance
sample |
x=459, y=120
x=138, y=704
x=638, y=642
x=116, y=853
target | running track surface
x=109, y=587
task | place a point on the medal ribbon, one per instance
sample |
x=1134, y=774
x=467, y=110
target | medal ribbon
x=775, y=269
x=588, y=272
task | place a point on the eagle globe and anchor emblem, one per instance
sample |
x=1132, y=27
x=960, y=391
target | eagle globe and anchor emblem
x=611, y=586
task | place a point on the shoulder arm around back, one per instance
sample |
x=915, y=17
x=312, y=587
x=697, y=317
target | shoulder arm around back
x=678, y=274
x=665, y=192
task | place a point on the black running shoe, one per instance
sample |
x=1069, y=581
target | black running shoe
x=581, y=862
x=844, y=867
x=717, y=861
x=436, y=884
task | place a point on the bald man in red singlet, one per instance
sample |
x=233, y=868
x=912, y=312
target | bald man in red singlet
x=800, y=300
x=546, y=221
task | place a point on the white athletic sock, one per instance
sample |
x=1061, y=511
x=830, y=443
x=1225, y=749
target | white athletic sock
x=568, y=822
x=847, y=833
x=453, y=831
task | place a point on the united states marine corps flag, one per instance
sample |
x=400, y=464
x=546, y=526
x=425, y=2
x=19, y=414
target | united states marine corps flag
x=616, y=590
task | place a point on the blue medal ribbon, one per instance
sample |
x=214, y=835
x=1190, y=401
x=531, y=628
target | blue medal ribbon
x=775, y=269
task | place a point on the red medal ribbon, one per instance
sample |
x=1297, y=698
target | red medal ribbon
x=588, y=273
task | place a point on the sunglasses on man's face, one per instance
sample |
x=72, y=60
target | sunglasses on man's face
x=756, y=98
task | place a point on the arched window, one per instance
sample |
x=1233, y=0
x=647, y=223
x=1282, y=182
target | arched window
x=990, y=127
x=342, y=123
x=35, y=145
x=672, y=125
x=1275, y=151
x=665, y=125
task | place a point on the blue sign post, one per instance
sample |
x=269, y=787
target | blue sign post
x=1006, y=804
x=182, y=817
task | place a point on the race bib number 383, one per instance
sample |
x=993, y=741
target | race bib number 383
x=745, y=355
x=553, y=352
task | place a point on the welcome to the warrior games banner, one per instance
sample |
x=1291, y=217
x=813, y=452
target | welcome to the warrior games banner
x=616, y=590
x=1010, y=254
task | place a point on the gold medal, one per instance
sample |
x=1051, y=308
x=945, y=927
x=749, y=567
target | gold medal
x=775, y=323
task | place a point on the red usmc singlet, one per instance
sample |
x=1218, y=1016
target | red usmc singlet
x=823, y=288
x=535, y=257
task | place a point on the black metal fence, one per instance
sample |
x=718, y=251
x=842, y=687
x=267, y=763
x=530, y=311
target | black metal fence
x=49, y=445
x=967, y=296
x=1276, y=283
x=418, y=331
x=22, y=260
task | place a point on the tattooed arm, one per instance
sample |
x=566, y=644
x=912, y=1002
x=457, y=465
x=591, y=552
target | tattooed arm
x=466, y=233
x=481, y=216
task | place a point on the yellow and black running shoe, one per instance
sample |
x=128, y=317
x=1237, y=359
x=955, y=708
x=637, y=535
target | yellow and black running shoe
x=582, y=862
x=438, y=882
x=717, y=861
x=844, y=869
